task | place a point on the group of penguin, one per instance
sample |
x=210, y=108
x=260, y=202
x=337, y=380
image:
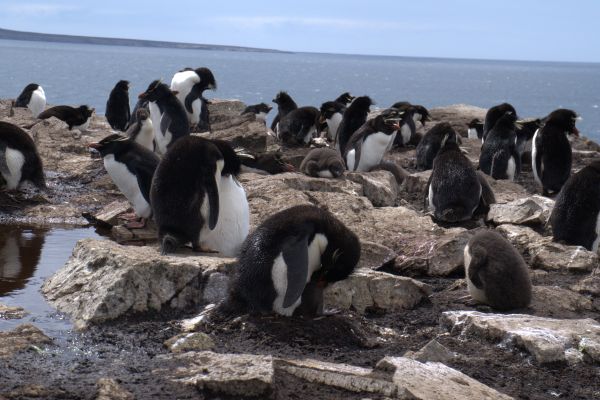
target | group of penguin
x=189, y=184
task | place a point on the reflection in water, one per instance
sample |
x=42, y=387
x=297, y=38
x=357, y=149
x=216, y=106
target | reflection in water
x=20, y=250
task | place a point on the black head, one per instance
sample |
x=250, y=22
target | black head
x=401, y=105
x=388, y=121
x=440, y=130
x=86, y=111
x=142, y=114
x=207, y=79
x=337, y=169
x=565, y=119
x=232, y=161
x=345, y=98
x=362, y=103
x=507, y=119
x=263, y=107
x=331, y=107
x=449, y=136
x=31, y=87
x=342, y=253
x=282, y=98
x=123, y=85
x=111, y=144
x=424, y=112
x=474, y=123
x=156, y=90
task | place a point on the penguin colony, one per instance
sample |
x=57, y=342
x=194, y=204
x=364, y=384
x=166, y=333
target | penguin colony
x=189, y=184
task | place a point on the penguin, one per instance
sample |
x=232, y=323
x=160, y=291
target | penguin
x=496, y=273
x=32, y=97
x=475, y=129
x=299, y=126
x=142, y=131
x=118, y=112
x=551, y=150
x=408, y=129
x=189, y=85
x=265, y=164
x=19, y=158
x=260, y=111
x=419, y=112
x=429, y=146
x=332, y=113
x=139, y=105
x=289, y=259
x=169, y=119
x=323, y=162
x=285, y=104
x=76, y=118
x=233, y=223
x=131, y=167
x=344, y=99
x=575, y=218
x=499, y=157
x=184, y=194
x=455, y=190
x=525, y=130
x=368, y=145
x=354, y=117
x=493, y=115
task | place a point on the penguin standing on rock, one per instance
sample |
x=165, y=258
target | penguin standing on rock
x=265, y=164
x=185, y=193
x=499, y=157
x=169, y=119
x=285, y=104
x=299, y=126
x=332, y=113
x=455, y=190
x=260, y=111
x=493, y=115
x=189, y=85
x=354, y=117
x=19, y=158
x=431, y=143
x=368, y=145
x=142, y=131
x=32, y=97
x=496, y=273
x=77, y=118
x=575, y=217
x=525, y=131
x=475, y=129
x=285, y=264
x=118, y=112
x=551, y=150
x=344, y=99
x=323, y=162
x=131, y=167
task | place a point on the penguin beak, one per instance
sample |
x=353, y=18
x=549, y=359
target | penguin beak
x=175, y=92
x=322, y=119
x=575, y=131
x=94, y=146
x=142, y=95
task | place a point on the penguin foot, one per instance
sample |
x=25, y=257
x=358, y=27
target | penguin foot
x=129, y=217
x=200, y=249
x=141, y=223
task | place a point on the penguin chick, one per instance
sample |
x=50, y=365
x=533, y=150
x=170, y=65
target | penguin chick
x=290, y=258
x=142, y=131
x=354, y=117
x=265, y=164
x=299, y=126
x=184, y=193
x=118, y=112
x=496, y=273
x=499, y=157
x=78, y=118
x=323, y=162
x=372, y=141
x=551, y=155
x=32, y=97
x=475, y=129
x=260, y=111
x=431, y=143
x=285, y=104
x=131, y=167
x=493, y=115
x=575, y=218
x=19, y=158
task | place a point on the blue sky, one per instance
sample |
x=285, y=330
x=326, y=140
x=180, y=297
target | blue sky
x=548, y=30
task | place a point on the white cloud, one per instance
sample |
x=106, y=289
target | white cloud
x=37, y=8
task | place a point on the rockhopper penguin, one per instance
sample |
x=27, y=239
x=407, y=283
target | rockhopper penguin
x=118, y=112
x=19, y=158
x=32, y=97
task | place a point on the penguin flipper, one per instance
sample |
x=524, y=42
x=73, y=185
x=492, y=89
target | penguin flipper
x=275, y=122
x=357, y=150
x=478, y=261
x=213, y=203
x=165, y=122
x=426, y=204
x=487, y=194
x=538, y=155
x=190, y=98
x=295, y=255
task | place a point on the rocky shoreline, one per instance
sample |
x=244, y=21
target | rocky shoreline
x=403, y=329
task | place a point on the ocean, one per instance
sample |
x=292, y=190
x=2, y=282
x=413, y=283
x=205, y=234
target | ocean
x=85, y=74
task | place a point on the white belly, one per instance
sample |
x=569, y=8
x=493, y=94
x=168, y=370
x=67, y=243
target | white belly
x=511, y=168
x=325, y=173
x=155, y=116
x=162, y=141
x=128, y=185
x=83, y=127
x=183, y=82
x=309, y=135
x=14, y=160
x=597, y=240
x=261, y=116
x=38, y=101
x=145, y=136
x=430, y=198
x=332, y=126
x=472, y=133
x=406, y=133
x=533, y=158
x=279, y=274
x=234, y=220
x=476, y=294
x=350, y=158
x=373, y=149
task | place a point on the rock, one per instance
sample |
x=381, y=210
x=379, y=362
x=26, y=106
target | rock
x=556, y=300
x=8, y=312
x=432, y=380
x=107, y=216
x=374, y=255
x=380, y=187
x=231, y=374
x=448, y=252
x=546, y=339
x=432, y=352
x=36, y=391
x=504, y=190
x=366, y=288
x=589, y=285
x=21, y=338
x=103, y=280
x=124, y=235
x=458, y=115
x=195, y=341
x=251, y=135
x=220, y=110
x=109, y=389
x=416, y=183
x=534, y=210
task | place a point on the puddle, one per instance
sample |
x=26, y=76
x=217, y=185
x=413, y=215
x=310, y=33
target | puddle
x=29, y=255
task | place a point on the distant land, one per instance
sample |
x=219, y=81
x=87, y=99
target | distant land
x=49, y=37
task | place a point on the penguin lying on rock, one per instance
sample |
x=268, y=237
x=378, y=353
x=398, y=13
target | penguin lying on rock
x=323, y=162
x=260, y=111
x=32, y=97
x=76, y=118
x=289, y=259
x=19, y=158
x=265, y=164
